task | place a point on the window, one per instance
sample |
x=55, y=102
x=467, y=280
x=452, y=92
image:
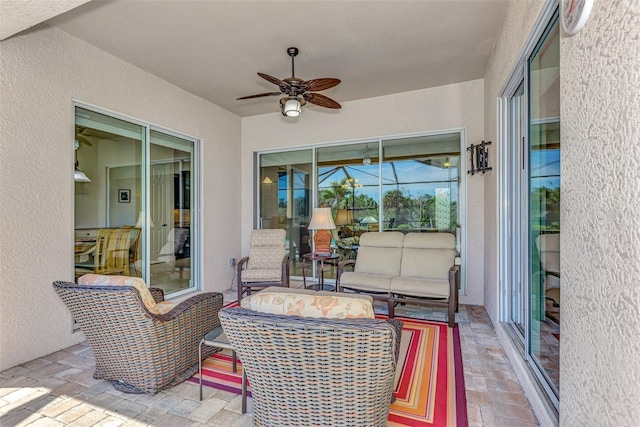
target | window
x=407, y=184
x=134, y=195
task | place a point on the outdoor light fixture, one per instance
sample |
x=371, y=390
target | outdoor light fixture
x=321, y=221
x=291, y=106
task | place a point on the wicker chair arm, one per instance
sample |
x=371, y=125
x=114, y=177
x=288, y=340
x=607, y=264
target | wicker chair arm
x=157, y=294
x=397, y=325
x=201, y=301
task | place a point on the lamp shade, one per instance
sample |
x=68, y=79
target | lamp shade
x=344, y=217
x=322, y=219
x=368, y=220
x=291, y=107
x=79, y=176
x=140, y=221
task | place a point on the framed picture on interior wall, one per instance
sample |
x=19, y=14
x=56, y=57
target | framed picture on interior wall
x=124, y=196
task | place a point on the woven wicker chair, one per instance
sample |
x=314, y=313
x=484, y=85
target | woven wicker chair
x=267, y=263
x=315, y=371
x=135, y=349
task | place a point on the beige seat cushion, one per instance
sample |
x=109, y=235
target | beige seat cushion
x=309, y=303
x=380, y=253
x=136, y=282
x=262, y=275
x=418, y=287
x=366, y=281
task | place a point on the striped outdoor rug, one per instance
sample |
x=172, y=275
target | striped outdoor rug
x=429, y=380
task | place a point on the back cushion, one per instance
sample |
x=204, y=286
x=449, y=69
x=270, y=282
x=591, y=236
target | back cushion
x=136, y=282
x=428, y=255
x=380, y=253
x=267, y=248
x=308, y=303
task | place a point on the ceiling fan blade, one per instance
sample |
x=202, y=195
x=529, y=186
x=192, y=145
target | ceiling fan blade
x=315, y=85
x=273, y=80
x=260, y=95
x=321, y=100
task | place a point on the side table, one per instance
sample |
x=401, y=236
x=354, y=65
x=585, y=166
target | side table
x=321, y=259
x=217, y=338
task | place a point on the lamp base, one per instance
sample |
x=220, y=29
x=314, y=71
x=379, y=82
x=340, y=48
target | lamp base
x=322, y=242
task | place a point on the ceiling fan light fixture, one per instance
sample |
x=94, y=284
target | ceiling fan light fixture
x=366, y=161
x=291, y=106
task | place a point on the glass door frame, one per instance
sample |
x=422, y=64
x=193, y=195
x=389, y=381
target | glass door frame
x=196, y=220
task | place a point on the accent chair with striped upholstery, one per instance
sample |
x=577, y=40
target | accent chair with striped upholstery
x=267, y=263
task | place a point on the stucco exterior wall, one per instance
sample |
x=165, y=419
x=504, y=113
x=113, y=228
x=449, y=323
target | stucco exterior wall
x=600, y=217
x=445, y=107
x=41, y=72
x=519, y=20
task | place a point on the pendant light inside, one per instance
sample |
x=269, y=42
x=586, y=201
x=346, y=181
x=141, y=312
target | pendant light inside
x=78, y=175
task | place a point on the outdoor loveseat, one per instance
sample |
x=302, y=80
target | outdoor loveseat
x=417, y=267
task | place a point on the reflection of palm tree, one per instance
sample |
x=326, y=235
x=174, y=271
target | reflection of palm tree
x=331, y=196
x=395, y=199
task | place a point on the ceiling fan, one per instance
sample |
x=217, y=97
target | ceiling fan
x=298, y=92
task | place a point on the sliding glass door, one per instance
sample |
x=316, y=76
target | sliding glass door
x=170, y=198
x=285, y=200
x=406, y=184
x=544, y=205
x=133, y=189
x=530, y=199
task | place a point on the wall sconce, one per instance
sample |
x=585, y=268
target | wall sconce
x=479, y=158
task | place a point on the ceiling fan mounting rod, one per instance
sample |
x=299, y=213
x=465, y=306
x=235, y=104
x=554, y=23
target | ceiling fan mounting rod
x=292, y=52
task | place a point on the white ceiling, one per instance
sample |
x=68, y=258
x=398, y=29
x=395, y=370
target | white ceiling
x=213, y=48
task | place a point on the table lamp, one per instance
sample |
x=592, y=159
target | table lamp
x=344, y=217
x=321, y=221
x=368, y=220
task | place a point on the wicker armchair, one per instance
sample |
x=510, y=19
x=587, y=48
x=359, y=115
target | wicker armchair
x=138, y=350
x=315, y=371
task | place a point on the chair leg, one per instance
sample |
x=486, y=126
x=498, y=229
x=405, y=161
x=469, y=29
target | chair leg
x=452, y=313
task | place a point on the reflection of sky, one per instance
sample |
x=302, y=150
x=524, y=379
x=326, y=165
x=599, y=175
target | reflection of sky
x=545, y=168
x=407, y=171
x=298, y=186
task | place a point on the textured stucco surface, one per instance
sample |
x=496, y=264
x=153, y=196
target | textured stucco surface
x=600, y=217
x=446, y=107
x=518, y=24
x=41, y=72
x=18, y=15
